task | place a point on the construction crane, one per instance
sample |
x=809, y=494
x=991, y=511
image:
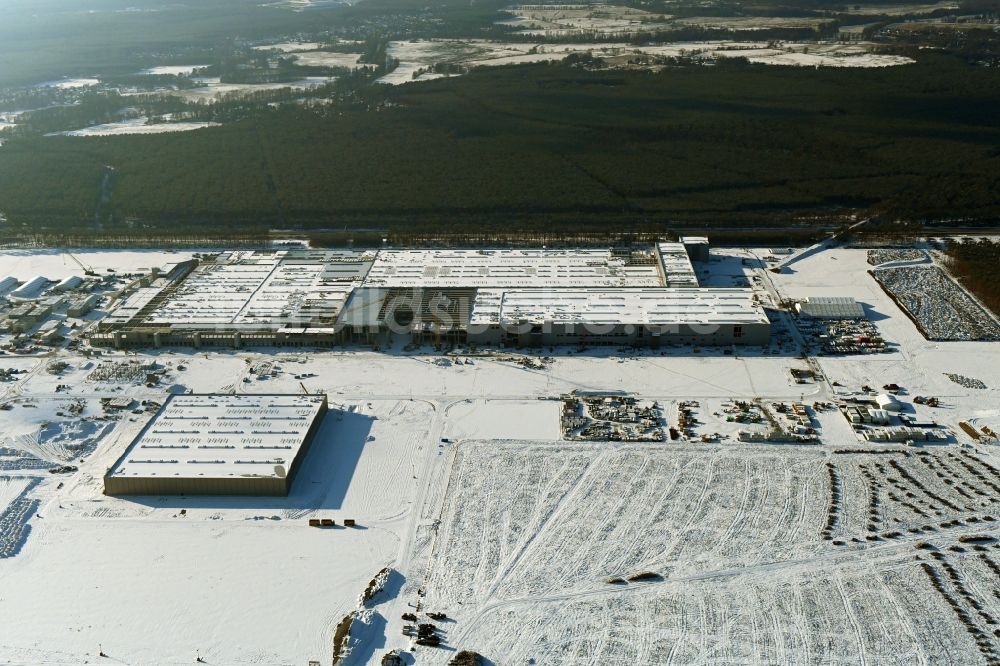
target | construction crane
x=87, y=270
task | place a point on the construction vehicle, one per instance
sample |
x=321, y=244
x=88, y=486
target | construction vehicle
x=87, y=270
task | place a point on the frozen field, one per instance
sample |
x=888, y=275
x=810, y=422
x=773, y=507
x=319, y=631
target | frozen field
x=454, y=469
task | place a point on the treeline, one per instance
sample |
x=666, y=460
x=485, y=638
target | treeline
x=732, y=146
x=976, y=264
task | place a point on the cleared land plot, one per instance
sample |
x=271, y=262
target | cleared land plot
x=503, y=419
x=939, y=307
x=181, y=590
x=745, y=569
x=883, y=613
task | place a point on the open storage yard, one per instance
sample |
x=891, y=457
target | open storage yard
x=938, y=305
x=440, y=486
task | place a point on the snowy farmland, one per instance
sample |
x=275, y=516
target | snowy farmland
x=454, y=469
x=418, y=57
x=567, y=20
x=328, y=59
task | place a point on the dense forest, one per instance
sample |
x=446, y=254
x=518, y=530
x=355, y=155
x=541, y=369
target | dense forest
x=545, y=144
x=976, y=264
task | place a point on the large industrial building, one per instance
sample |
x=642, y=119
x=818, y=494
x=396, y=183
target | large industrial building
x=651, y=317
x=219, y=445
x=522, y=297
x=289, y=297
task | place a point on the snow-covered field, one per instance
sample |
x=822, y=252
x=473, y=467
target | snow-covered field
x=597, y=19
x=57, y=264
x=902, y=9
x=327, y=59
x=135, y=126
x=533, y=536
x=69, y=83
x=212, y=88
x=423, y=54
x=603, y=19
x=172, y=70
x=456, y=475
x=751, y=23
x=289, y=47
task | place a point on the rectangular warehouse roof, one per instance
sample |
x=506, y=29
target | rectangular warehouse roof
x=831, y=307
x=651, y=307
x=222, y=437
x=444, y=268
x=257, y=290
x=676, y=265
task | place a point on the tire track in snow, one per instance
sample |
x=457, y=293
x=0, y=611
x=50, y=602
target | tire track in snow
x=532, y=535
x=852, y=618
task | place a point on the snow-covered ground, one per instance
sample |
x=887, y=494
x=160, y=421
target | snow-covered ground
x=459, y=482
x=289, y=47
x=532, y=537
x=423, y=54
x=135, y=126
x=327, y=59
x=68, y=83
x=173, y=70
x=57, y=264
x=583, y=20
x=212, y=88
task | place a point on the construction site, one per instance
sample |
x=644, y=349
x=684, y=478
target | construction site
x=543, y=498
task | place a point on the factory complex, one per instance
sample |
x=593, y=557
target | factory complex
x=503, y=297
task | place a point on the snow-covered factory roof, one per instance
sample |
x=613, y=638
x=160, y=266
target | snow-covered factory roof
x=222, y=436
x=652, y=307
x=30, y=289
x=446, y=268
x=8, y=284
x=131, y=306
x=831, y=307
x=263, y=290
x=676, y=265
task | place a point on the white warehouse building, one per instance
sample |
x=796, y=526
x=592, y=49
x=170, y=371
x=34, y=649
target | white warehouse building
x=30, y=289
x=68, y=284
